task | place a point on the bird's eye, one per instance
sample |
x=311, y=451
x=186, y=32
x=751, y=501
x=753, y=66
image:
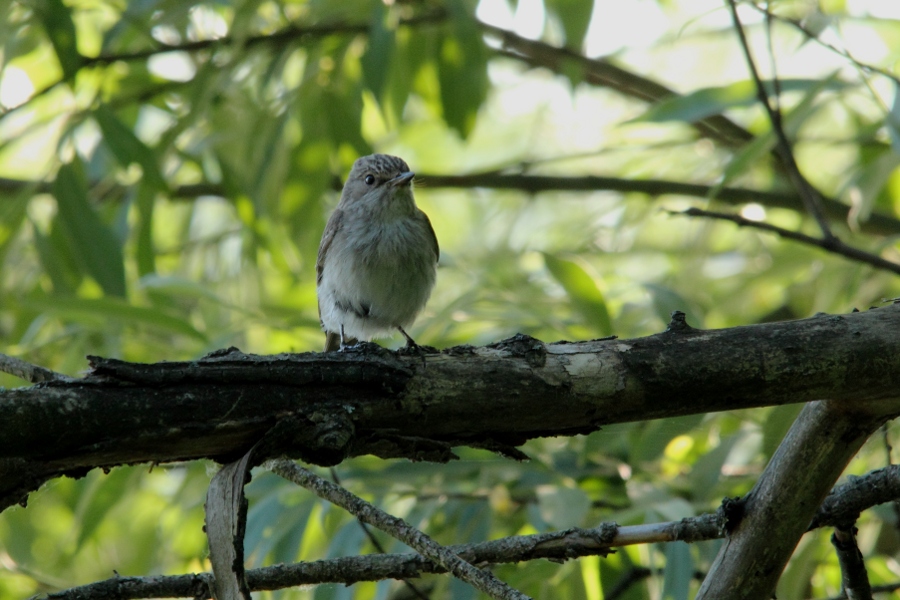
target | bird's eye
x=370, y=179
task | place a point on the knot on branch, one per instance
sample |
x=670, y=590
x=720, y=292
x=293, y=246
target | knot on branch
x=731, y=513
x=524, y=346
x=323, y=438
x=678, y=324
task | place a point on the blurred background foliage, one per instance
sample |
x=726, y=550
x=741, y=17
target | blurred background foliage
x=167, y=168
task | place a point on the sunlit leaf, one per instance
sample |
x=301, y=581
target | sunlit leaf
x=583, y=292
x=575, y=16
x=56, y=18
x=707, y=102
x=761, y=145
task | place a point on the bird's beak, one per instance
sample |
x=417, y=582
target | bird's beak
x=402, y=179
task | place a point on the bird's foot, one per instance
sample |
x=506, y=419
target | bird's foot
x=412, y=347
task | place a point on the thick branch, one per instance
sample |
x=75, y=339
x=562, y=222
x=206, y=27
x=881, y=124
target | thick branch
x=848, y=499
x=784, y=500
x=323, y=408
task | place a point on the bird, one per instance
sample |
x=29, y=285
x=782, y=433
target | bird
x=377, y=261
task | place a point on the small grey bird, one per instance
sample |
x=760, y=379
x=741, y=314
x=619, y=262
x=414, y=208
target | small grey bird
x=378, y=256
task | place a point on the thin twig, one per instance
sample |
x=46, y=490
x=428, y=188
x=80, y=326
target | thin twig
x=29, y=372
x=374, y=540
x=810, y=35
x=398, y=528
x=811, y=198
x=833, y=246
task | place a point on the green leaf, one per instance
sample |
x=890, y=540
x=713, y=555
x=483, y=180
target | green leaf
x=575, y=16
x=563, y=507
x=127, y=148
x=411, y=50
x=761, y=145
x=649, y=439
x=377, y=60
x=57, y=21
x=892, y=122
x=583, y=292
x=678, y=572
x=776, y=425
x=146, y=255
x=115, y=309
x=707, y=469
x=87, y=235
x=870, y=180
x=58, y=263
x=344, y=113
x=462, y=70
x=101, y=494
x=707, y=102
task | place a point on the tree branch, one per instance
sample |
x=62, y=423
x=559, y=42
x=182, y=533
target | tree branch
x=323, y=408
x=398, y=528
x=854, y=579
x=29, y=372
x=848, y=499
x=833, y=245
x=784, y=500
x=876, y=224
x=603, y=73
x=415, y=591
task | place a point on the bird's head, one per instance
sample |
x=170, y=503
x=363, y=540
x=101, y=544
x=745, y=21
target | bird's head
x=380, y=183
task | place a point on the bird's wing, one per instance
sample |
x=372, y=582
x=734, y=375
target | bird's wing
x=331, y=228
x=434, y=242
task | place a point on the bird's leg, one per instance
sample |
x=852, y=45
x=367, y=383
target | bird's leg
x=412, y=346
x=343, y=345
x=410, y=343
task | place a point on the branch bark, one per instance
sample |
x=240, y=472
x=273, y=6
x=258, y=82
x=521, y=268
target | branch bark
x=323, y=408
x=842, y=504
x=776, y=513
x=854, y=579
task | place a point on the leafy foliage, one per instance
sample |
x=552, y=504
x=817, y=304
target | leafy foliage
x=169, y=167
